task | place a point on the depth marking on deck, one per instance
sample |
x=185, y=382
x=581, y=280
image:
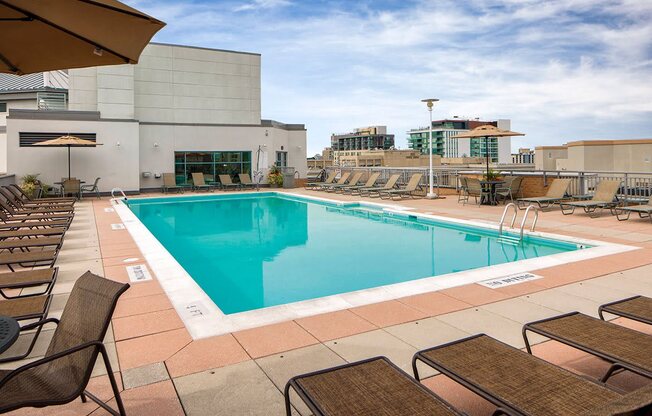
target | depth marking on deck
x=109, y=210
x=193, y=310
x=117, y=226
x=138, y=273
x=512, y=279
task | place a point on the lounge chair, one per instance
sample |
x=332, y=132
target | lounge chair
x=622, y=347
x=341, y=181
x=643, y=211
x=28, y=258
x=170, y=183
x=245, y=181
x=199, y=183
x=374, y=190
x=62, y=375
x=26, y=244
x=556, y=193
x=32, y=232
x=313, y=176
x=9, y=214
x=15, y=223
x=354, y=181
x=28, y=278
x=637, y=308
x=370, y=387
x=226, y=183
x=20, y=205
x=521, y=384
x=408, y=191
x=329, y=180
x=604, y=196
x=18, y=191
x=371, y=182
x=21, y=309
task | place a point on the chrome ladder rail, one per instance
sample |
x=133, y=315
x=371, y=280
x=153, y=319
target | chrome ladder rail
x=502, y=218
x=113, y=191
x=534, y=223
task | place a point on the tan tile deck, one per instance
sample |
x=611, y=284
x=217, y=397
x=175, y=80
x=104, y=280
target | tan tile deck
x=167, y=373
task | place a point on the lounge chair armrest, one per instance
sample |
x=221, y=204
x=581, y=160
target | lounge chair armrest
x=39, y=323
x=51, y=358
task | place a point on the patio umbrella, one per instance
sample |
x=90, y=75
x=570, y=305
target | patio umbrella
x=486, y=131
x=47, y=35
x=68, y=141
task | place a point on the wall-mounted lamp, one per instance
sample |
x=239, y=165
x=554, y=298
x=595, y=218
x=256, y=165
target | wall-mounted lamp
x=299, y=147
x=266, y=133
x=117, y=144
x=156, y=144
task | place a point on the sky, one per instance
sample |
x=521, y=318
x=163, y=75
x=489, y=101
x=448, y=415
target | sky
x=561, y=70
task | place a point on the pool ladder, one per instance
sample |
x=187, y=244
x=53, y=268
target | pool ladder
x=113, y=192
x=523, y=221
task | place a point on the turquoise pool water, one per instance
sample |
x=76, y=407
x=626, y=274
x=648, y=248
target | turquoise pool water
x=257, y=250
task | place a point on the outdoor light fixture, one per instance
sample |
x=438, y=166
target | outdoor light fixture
x=117, y=144
x=430, y=102
x=156, y=144
x=98, y=51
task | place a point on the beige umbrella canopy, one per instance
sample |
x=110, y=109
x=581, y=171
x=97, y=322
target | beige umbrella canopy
x=47, y=35
x=67, y=141
x=486, y=131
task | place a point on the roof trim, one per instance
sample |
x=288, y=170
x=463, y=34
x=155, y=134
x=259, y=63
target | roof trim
x=203, y=48
x=621, y=142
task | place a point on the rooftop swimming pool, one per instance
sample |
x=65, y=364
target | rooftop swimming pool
x=259, y=250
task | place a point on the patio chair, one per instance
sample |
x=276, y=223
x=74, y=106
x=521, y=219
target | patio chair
x=199, y=183
x=72, y=187
x=643, y=211
x=92, y=188
x=510, y=189
x=62, y=375
x=18, y=191
x=622, y=347
x=475, y=189
x=245, y=181
x=354, y=181
x=556, y=193
x=604, y=197
x=637, y=308
x=375, y=190
x=330, y=179
x=370, y=387
x=463, y=194
x=341, y=181
x=170, y=183
x=371, y=182
x=407, y=191
x=226, y=183
x=521, y=384
x=26, y=259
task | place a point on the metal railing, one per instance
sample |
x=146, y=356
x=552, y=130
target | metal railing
x=635, y=186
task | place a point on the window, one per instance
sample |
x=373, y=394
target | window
x=211, y=164
x=3, y=107
x=281, y=159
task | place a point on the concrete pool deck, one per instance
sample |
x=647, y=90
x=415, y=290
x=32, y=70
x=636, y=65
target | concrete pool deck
x=165, y=372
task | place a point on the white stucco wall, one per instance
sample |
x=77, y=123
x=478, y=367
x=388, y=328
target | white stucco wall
x=116, y=165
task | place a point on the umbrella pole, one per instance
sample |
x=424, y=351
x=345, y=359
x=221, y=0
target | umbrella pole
x=486, y=150
x=68, y=162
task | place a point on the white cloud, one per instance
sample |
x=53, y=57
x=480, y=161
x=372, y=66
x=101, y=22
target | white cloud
x=262, y=4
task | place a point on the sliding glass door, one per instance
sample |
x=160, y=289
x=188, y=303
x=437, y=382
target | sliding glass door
x=211, y=164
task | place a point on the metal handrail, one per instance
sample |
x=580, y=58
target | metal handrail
x=502, y=218
x=114, y=190
x=534, y=223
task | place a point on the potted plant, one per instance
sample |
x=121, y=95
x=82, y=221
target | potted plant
x=30, y=184
x=275, y=177
x=492, y=175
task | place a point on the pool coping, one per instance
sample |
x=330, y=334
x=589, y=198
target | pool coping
x=203, y=318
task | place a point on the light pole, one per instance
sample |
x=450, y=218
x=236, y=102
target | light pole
x=430, y=103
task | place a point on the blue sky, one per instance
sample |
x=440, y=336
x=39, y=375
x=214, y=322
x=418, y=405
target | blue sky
x=561, y=70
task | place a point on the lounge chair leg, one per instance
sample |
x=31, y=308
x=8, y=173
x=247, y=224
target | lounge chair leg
x=83, y=398
x=527, y=341
x=414, y=368
x=288, y=406
x=610, y=372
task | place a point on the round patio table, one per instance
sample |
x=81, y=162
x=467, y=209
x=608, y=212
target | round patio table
x=9, y=330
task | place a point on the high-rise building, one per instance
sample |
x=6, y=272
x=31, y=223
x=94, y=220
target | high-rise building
x=363, y=138
x=445, y=144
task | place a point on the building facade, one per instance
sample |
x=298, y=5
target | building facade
x=524, y=156
x=363, y=138
x=388, y=158
x=445, y=144
x=629, y=155
x=180, y=109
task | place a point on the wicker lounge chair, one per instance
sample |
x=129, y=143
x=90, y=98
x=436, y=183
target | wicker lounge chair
x=605, y=194
x=198, y=182
x=341, y=181
x=556, y=193
x=245, y=181
x=354, y=181
x=226, y=183
x=18, y=191
x=34, y=307
x=23, y=207
x=7, y=223
x=28, y=258
x=637, y=308
x=643, y=211
x=370, y=387
x=28, y=278
x=329, y=180
x=371, y=182
x=375, y=190
x=408, y=191
x=170, y=183
x=26, y=244
x=622, y=347
x=521, y=384
x=11, y=216
x=32, y=232
x=63, y=374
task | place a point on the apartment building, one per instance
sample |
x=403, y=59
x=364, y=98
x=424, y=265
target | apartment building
x=361, y=139
x=627, y=155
